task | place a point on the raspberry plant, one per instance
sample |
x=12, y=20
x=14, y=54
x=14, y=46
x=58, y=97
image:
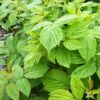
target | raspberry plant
x=49, y=50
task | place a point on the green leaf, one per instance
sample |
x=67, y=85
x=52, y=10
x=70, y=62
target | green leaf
x=52, y=55
x=3, y=79
x=88, y=49
x=2, y=87
x=24, y=86
x=98, y=96
x=51, y=36
x=86, y=70
x=77, y=30
x=98, y=72
x=2, y=44
x=61, y=94
x=32, y=58
x=20, y=46
x=96, y=32
x=10, y=43
x=17, y=72
x=63, y=57
x=27, y=26
x=54, y=13
x=71, y=8
x=40, y=25
x=12, y=18
x=4, y=51
x=72, y=44
x=66, y=19
x=12, y=91
x=5, y=97
x=55, y=79
x=76, y=58
x=77, y=87
x=36, y=71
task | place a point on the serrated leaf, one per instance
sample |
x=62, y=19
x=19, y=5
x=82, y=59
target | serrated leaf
x=52, y=55
x=77, y=87
x=50, y=37
x=72, y=44
x=66, y=19
x=41, y=24
x=88, y=49
x=63, y=57
x=61, y=94
x=86, y=70
x=76, y=58
x=77, y=29
x=36, y=71
x=12, y=91
x=24, y=86
x=55, y=79
x=31, y=59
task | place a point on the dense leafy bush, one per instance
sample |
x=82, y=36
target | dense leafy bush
x=49, y=50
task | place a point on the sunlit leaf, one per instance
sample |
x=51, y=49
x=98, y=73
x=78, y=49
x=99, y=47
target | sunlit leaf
x=61, y=94
x=55, y=79
x=51, y=36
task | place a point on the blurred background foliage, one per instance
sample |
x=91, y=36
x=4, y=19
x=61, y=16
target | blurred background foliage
x=94, y=0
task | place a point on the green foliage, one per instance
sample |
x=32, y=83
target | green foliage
x=24, y=86
x=49, y=50
x=72, y=44
x=77, y=87
x=55, y=79
x=36, y=71
x=12, y=91
x=88, y=49
x=63, y=58
x=86, y=70
x=61, y=94
x=51, y=36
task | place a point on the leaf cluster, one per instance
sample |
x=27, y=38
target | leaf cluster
x=49, y=50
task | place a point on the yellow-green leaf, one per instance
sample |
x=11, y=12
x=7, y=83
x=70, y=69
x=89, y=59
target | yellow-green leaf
x=51, y=36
